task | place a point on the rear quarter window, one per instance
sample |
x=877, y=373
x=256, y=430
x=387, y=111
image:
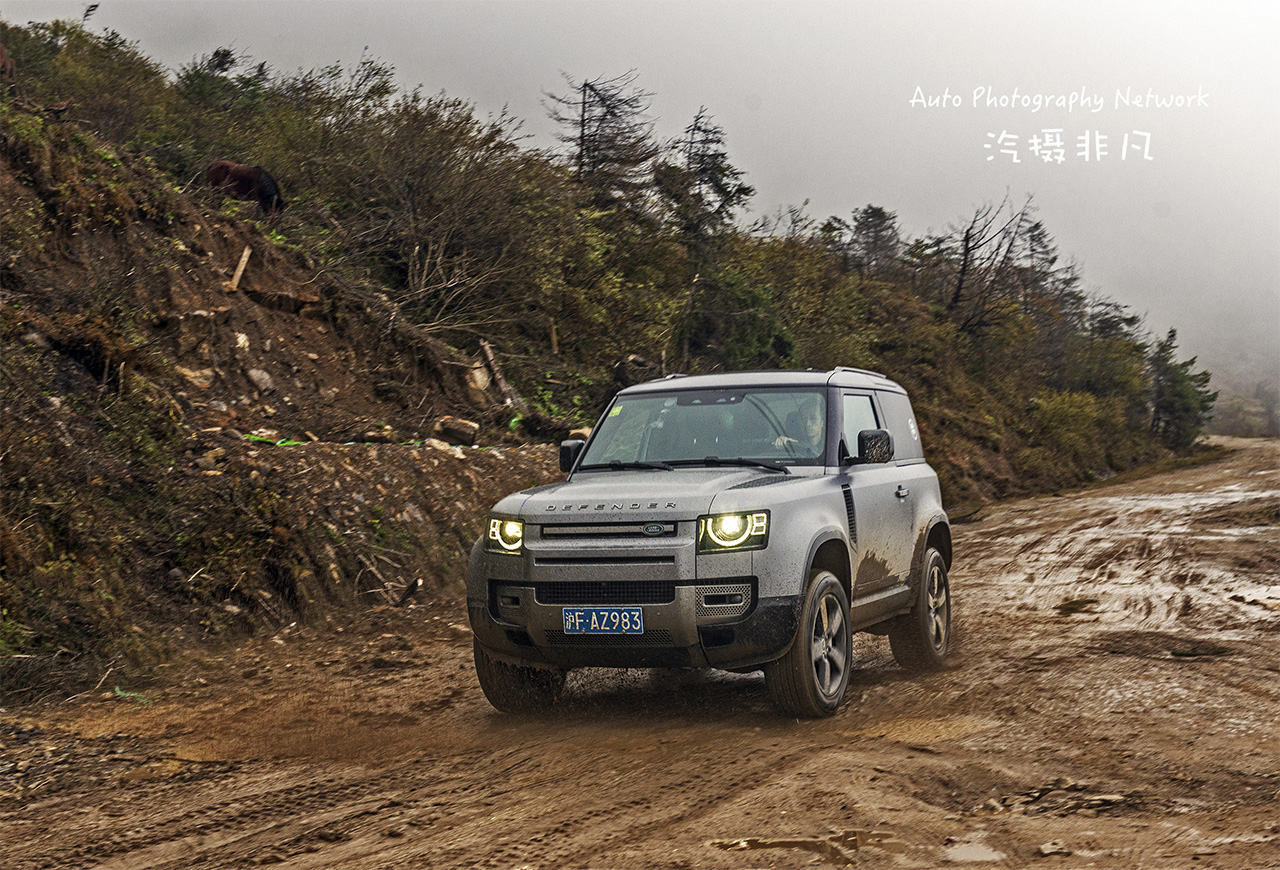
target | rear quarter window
x=901, y=423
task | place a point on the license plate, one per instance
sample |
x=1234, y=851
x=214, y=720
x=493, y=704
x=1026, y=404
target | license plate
x=603, y=620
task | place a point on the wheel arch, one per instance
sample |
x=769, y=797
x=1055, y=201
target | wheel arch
x=939, y=538
x=937, y=535
x=832, y=554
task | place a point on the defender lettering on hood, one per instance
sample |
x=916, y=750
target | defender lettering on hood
x=634, y=506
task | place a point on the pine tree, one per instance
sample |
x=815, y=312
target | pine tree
x=875, y=241
x=699, y=185
x=701, y=190
x=1181, y=402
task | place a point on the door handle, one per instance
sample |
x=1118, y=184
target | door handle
x=902, y=492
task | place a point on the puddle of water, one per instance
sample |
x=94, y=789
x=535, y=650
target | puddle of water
x=972, y=852
x=1077, y=605
x=836, y=848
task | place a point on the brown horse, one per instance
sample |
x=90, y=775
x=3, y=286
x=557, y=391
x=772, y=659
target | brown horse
x=248, y=183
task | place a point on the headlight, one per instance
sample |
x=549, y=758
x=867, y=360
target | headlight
x=505, y=536
x=733, y=532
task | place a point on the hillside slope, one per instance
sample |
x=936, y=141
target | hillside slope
x=144, y=391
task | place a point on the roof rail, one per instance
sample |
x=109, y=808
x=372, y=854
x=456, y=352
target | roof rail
x=859, y=371
x=674, y=375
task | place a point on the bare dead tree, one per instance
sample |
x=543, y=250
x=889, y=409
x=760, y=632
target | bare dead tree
x=605, y=121
x=986, y=253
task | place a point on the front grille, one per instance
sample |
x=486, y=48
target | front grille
x=606, y=592
x=604, y=560
x=661, y=637
x=608, y=530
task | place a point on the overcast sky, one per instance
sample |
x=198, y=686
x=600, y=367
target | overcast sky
x=929, y=109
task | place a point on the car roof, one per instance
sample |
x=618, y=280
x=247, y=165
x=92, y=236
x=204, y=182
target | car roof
x=839, y=377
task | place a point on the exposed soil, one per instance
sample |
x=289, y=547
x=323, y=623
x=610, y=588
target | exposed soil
x=1113, y=704
x=189, y=412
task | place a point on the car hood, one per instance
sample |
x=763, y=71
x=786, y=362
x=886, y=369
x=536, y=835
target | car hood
x=623, y=496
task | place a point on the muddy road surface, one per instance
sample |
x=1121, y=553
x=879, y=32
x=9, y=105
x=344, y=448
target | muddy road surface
x=1115, y=702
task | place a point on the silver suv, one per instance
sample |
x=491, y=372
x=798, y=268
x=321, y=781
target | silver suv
x=737, y=521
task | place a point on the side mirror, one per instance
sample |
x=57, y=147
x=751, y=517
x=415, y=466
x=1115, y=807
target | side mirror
x=569, y=452
x=874, y=446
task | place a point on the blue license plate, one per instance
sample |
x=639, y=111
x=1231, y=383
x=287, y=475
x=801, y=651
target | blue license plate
x=603, y=620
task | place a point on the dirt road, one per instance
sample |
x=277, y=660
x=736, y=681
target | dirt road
x=1115, y=703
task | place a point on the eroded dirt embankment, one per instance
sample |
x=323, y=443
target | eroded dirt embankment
x=1113, y=704
x=154, y=346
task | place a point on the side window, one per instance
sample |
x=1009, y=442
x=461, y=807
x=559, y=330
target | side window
x=901, y=423
x=858, y=415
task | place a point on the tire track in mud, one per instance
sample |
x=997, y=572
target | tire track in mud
x=1174, y=843
x=1135, y=560
x=218, y=819
x=220, y=823
x=626, y=805
x=288, y=820
x=609, y=819
x=681, y=803
x=231, y=831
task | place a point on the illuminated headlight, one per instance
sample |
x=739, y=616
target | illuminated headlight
x=733, y=532
x=505, y=536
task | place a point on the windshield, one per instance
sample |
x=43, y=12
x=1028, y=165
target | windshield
x=781, y=426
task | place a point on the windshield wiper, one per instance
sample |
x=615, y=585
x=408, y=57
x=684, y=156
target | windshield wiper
x=619, y=465
x=737, y=460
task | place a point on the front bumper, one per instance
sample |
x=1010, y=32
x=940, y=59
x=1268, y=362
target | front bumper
x=699, y=611
x=514, y=625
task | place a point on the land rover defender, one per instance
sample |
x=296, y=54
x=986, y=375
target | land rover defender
x=747, y=521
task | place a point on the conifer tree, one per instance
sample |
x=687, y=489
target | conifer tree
x=701, y=190
x=1181, y=400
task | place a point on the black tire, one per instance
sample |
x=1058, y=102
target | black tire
x=921, y=639
x=810, y=680
x=515, y=689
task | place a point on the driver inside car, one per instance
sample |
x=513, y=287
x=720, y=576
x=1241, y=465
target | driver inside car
x=804, y=429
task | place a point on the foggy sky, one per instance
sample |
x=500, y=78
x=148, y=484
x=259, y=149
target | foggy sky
x=816, y=102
